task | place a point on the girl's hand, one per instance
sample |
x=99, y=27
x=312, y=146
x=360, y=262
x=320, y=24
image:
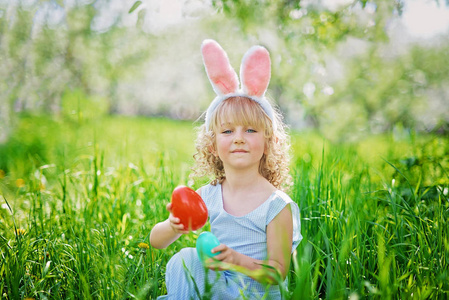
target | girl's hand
x=230, y=259
x=175, y=224
x=227, y=255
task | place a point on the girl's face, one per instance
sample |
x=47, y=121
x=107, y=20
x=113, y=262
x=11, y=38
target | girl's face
x=239, y=146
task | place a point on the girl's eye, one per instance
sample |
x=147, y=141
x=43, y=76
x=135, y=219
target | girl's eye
x=251, y=130
x=226, y=131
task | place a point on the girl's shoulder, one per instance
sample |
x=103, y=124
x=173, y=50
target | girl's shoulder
x=282, y=196
x=277, y=202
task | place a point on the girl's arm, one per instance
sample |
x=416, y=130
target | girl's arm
x=279, y=241
x=279, y=244
x=166, y=232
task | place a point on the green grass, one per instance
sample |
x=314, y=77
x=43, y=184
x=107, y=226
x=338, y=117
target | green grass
x=82, y=195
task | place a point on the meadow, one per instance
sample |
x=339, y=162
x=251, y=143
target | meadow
x=80, y=196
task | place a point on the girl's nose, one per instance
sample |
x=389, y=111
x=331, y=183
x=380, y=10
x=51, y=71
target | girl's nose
x=239, y=136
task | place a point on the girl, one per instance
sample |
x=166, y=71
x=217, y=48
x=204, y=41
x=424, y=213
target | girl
x=243, y=144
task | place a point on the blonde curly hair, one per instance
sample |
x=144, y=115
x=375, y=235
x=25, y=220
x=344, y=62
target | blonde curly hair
x=274, y=165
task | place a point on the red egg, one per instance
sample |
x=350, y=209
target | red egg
x=189, y=207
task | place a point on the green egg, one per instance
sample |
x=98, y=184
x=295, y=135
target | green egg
x=205, y=243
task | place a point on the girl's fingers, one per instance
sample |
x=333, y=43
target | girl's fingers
x=168, y=206
x=219, y=248
x=180, y=230
x=174, y=220
x=178, y=227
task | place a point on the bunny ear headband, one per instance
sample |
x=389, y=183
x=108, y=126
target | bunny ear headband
x=255, y=72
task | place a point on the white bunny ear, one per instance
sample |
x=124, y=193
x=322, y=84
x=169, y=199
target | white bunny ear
x=222, y=76
x=255, y=71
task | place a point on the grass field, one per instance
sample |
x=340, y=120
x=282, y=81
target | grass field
x=79, y=198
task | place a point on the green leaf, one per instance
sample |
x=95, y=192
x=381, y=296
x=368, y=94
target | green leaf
x=135, y=5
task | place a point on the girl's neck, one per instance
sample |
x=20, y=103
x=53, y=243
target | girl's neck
x=244, y=180
x=243, y=193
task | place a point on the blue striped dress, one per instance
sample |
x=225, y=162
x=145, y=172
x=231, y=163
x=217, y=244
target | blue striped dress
x=246, y=234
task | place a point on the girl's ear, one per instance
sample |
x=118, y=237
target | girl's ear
x=265, y=148
x=273, y=140
x=222, y=76
x=255, y=71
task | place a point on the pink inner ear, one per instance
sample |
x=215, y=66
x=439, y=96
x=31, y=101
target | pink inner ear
x=256, y=71
x=220, y=72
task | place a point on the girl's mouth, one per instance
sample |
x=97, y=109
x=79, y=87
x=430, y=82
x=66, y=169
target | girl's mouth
x=239, y=151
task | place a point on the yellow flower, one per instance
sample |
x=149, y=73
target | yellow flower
x=2, y=174
x=28, y=298
x=20, y=231
x=20, y=183
x=143, y=246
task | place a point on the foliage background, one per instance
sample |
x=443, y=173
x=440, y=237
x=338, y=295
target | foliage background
x=346, y=70
x=89, y=150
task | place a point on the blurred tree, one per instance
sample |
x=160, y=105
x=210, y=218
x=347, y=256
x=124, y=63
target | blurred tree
x=50, y=48
x=15, y=26
x=339, y=65
x=334, y=68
